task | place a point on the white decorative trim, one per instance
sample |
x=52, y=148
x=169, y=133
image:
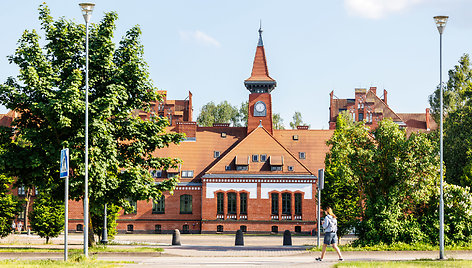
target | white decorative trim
x=211, y=188
x=291, y=187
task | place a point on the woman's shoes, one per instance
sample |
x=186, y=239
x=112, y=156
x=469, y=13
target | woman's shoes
x=341, y=259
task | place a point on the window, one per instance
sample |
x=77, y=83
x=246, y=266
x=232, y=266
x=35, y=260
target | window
x=290, y=168
x=156, y=173
x=298, y=229
x=216, y=154
x=79, y=228
x=134, y=206
x=275, y=229
x=255, y=158
x=130, y=228
x=275, y=168
x=185, y=204
x=219, y=228
x=243, y=203
x=185, y=229
x=231, y=203
x=172, y=174
x=157, y=228
x=275, y=203
x=220, y=203
x=239, y=168
x=158, y=205
x=263, y=157
x=243, y=228
x=298, y=204
x=21, y=190
x=302, y=155
x=223, y=134
x=286, y=203
x=295, y=137
x=361, y=116
x=227, y=167
x=187, y=173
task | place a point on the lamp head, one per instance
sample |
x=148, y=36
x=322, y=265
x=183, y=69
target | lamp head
x=441, y=23
x=87, y=9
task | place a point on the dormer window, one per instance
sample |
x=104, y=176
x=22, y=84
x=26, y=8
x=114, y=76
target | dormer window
x=242, y=163
x=276, y=163
x=255, y=158
x=216, y=154
x=295, y=137
x=223, y=134
x=302, y=155
x=263, y=157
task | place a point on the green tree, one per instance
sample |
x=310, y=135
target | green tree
x=297, y=121
x=221, y=113
x=243, y=113
x=10, y=206
x=49, y=95
x=346, y=164
x=47, y=216
x=457, y=91
x=277, y=121
x=97, y=219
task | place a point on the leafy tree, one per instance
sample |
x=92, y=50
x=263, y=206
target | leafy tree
x=243, y=113
x=277, y=121
x=10, y=206
x=346, y=164
x=297, y=121
x=221, y=113
x=49, y=95
x=457, y=91
x=47, y=216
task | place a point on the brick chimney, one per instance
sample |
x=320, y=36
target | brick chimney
x=373, y=89
x=427, y=119
x=385, y=96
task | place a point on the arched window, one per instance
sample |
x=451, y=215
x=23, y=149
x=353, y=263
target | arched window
x=220, y=203
x=231, y=203
x=286, y=203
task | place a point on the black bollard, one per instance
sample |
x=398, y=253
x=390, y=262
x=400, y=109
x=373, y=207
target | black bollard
x=287, y=238
x=239, y=238
x=176, y=238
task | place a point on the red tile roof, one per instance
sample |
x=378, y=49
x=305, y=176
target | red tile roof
x=259, y=67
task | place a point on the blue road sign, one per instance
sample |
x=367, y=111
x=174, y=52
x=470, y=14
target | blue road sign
x=64, y=170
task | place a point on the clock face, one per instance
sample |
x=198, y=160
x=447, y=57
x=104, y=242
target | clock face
x=260, y=107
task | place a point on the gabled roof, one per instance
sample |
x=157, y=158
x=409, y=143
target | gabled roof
x=259, y=142
x=379, y=104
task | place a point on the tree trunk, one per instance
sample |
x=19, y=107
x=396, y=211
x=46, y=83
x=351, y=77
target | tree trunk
x=47, y=239
x=91, y=236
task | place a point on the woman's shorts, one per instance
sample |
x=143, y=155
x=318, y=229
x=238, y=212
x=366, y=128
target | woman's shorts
x=330, y=238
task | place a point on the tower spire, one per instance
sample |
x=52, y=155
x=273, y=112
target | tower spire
x=260, y=81
x=260, y=43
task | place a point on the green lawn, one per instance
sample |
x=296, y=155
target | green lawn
x=397, y=247
x=403, y=264
x=58, y=264
x=96, y=249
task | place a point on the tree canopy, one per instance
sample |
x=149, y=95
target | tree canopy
x=297, y=120
x=49, y=95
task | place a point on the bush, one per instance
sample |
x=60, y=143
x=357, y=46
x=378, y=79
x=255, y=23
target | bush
x=47, y=217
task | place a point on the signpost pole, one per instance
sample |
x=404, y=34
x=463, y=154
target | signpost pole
x=318, y=214
x=64, y=173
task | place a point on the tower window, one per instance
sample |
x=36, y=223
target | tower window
x=295, y=137
x=227, y=167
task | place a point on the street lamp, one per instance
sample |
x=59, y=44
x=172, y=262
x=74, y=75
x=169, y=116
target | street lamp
x=87, y=9
x=441, y=24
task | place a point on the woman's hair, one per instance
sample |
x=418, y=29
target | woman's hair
x=330, y=212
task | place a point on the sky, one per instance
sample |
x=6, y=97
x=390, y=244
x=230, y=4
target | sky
x=312, y=47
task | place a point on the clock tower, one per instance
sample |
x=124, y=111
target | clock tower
x=260, y=84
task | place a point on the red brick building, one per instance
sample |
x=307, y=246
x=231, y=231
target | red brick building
x=253, y=178
x=368, y=107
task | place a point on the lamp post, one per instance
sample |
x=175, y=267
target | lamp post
x=87, y=9
x=441, y=24
x=104, y=232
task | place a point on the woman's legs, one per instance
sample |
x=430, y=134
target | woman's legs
x=337, y=251
x=323, y=251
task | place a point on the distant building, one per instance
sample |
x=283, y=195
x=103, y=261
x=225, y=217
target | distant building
x=368, y=107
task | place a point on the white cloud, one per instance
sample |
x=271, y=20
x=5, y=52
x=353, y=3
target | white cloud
x=376, y=9
x=199, y=37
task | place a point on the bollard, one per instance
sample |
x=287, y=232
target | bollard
x=29, y=231
x=176, y=238
x=239, y=238
x=287, y=238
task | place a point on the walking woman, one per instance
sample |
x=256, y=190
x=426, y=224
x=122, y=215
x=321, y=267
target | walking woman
x=330, y=226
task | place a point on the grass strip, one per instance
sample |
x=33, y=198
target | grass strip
x=97, y=249
x=397, y=247
x=402, y=264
